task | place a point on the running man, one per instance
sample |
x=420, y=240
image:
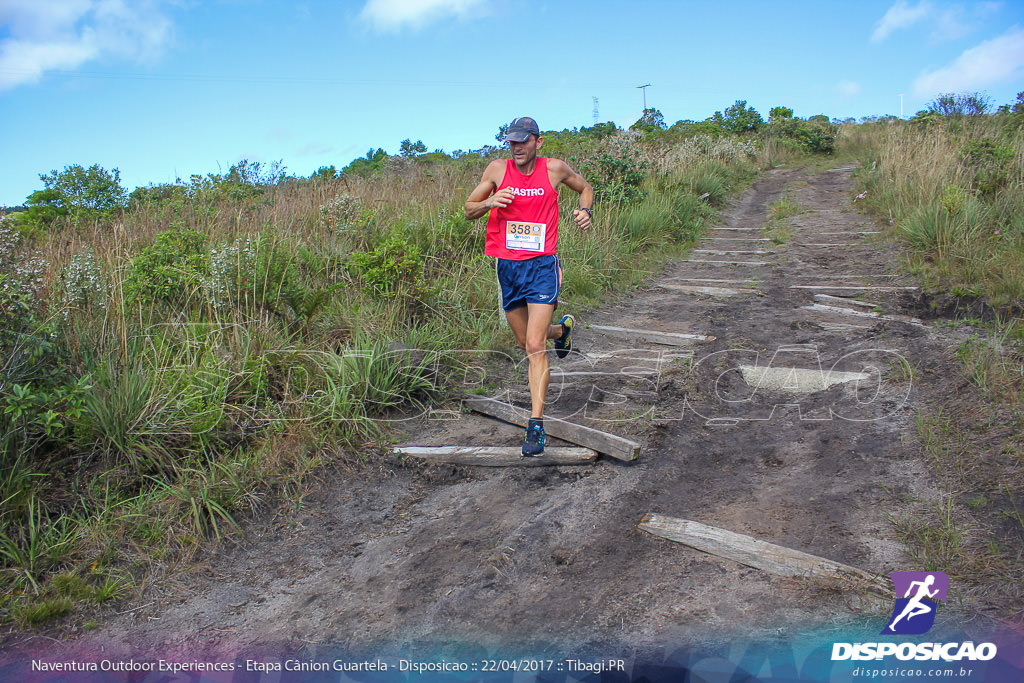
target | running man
x=521, y=195
x=915, y=606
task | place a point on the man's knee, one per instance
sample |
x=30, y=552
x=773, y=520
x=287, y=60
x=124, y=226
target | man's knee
x=536, y=346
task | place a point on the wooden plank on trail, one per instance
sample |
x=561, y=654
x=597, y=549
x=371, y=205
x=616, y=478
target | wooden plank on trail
x=499, y=456
x=863, y=314
x=747, y=550
x=602, y=442
x=730, y=252
x=668, y=338
x=711, y=291
x=827, y=298
x=855, y=288
x=709, y=279
x=726, y=263
x=832, y=246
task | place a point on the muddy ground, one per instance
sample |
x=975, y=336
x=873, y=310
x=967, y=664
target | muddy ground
x=402, y=557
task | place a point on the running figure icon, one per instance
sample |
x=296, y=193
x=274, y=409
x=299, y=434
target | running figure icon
x=914, y=612
x=915, y=607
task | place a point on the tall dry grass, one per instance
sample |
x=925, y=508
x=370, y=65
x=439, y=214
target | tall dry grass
x=952, y=189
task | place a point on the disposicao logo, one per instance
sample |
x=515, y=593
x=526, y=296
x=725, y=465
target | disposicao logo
x=917, y=598
x=914, y=613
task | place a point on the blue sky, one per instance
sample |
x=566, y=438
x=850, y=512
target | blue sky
x=162, y=89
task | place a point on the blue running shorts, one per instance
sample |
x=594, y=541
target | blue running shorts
x=532, y=281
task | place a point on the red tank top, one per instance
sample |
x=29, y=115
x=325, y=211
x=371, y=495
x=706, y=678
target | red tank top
x=527, y=227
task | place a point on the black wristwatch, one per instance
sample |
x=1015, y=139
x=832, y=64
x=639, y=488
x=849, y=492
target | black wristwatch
x=589, y=212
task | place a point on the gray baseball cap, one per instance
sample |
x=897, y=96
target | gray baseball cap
x=521, y=129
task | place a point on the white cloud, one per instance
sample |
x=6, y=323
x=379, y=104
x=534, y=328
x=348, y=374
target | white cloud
x=995, y=61
x=65, y=34
x=849, y=89
x=900, y=15
x=315, y=149
x=392, y=15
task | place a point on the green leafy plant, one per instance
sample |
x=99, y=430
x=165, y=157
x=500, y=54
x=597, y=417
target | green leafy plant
x=169, y=270
x=616, y=179
x=394, y=265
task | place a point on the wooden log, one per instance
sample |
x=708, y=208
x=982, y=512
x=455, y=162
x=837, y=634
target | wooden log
x=602, y=442
x=499, y=456
x=749, y=551
x=668, y=338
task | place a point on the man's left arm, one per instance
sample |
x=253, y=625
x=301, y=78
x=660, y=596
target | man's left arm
x=576, y=182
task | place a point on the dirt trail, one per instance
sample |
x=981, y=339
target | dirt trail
x=550, y=560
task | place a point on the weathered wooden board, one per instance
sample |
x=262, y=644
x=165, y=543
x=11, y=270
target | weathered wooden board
x=862, y=314
x=853, y=288
x=747, y=281
x=730, y=252
x=768, y=557
x=668, y=338
x=602, y=442
x=829, y=299
x=727, y=263
x=499, y=456
x=710, y=291
x=797, y=380
x=823, y=245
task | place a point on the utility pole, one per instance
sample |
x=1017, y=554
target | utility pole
x=595, y=111
x=901, y=105
x=643, y=88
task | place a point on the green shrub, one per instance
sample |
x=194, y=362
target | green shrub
x=815, y=136
x=990, y=164
x=394, y=265
x=615, y=179
x=169, y=270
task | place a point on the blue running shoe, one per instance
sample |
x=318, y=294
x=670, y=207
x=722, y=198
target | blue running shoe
x=563, y=345
x=534, y=444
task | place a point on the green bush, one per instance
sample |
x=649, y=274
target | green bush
x=169, y=270
x=990, y=163
x=615, y=179
x=814, y=136
x=738, y=118
x=76, y=193
x=393, y=266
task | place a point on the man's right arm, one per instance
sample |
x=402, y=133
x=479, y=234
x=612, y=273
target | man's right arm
x=481, y=200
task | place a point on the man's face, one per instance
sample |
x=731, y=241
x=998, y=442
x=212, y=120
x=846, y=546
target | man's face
x=525, y=152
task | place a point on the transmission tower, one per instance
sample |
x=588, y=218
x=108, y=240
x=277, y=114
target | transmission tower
x=596, y=115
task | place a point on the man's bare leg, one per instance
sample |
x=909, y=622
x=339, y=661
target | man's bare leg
x=531, y=325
